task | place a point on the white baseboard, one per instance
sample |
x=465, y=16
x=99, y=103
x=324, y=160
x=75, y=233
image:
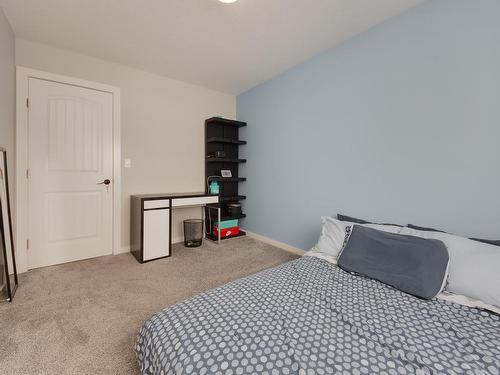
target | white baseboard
x=122, y=250
x=177, y=240
x=281, y=245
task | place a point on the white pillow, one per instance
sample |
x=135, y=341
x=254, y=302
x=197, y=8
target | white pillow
x=333, y=232
x=466, y=301
x=473, y=266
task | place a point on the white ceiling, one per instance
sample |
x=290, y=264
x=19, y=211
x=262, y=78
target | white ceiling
x=227, y=47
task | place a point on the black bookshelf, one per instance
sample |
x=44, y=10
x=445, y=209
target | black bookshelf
x=226, y=140
x=223, y=135
x=225, y=160
x=228, y=179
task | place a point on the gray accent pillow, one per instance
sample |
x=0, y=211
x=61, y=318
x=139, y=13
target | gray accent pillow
x=414, y=265
x=489, y=242
x=424, y=229
x=352, y=219
x=362, y=221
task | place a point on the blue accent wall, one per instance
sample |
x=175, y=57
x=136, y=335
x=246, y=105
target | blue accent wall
x=399, y=124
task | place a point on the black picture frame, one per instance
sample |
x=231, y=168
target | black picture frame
x=10, y=283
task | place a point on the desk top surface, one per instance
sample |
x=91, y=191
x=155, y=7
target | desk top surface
x=172, y=195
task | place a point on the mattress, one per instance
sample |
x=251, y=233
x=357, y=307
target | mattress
x=310, y=317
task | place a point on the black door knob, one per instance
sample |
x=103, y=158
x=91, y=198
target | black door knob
x=105, y=182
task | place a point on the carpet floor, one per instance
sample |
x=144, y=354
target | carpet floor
x=83, y=317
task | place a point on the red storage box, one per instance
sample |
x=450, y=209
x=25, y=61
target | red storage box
x=228, y=232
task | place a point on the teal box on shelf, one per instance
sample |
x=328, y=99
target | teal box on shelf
x=214, y=187
x=228, y=224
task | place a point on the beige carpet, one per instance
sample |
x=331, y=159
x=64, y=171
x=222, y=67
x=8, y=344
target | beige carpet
x=83, y=317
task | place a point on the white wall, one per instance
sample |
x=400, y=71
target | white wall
x=162, y=123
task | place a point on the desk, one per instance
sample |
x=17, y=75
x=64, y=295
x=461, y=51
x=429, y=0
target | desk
x=151, y=221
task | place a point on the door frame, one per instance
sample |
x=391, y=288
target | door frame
x=22, y=207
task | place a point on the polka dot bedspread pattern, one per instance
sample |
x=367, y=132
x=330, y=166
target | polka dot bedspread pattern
x=310, y=317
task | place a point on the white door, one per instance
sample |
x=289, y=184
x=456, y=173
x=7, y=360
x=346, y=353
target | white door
x=70, y=156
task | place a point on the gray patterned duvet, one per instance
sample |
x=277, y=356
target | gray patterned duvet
x=310, y=317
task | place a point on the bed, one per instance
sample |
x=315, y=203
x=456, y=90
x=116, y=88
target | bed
x=309, y=316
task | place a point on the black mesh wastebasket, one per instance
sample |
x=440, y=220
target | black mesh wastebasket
x=193, y=232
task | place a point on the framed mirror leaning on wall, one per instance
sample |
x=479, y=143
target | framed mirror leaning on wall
x=8, y=271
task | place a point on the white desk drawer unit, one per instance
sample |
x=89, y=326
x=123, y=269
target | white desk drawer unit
x=156, y=239
x=195, y=201
x=151, y=222
x=156, y=203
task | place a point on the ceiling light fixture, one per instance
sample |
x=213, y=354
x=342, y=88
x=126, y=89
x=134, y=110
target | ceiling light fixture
x=228, y=1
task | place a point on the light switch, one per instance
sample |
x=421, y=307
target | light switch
x=127, y=163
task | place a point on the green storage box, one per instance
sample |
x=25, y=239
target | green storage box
x=227, y=224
